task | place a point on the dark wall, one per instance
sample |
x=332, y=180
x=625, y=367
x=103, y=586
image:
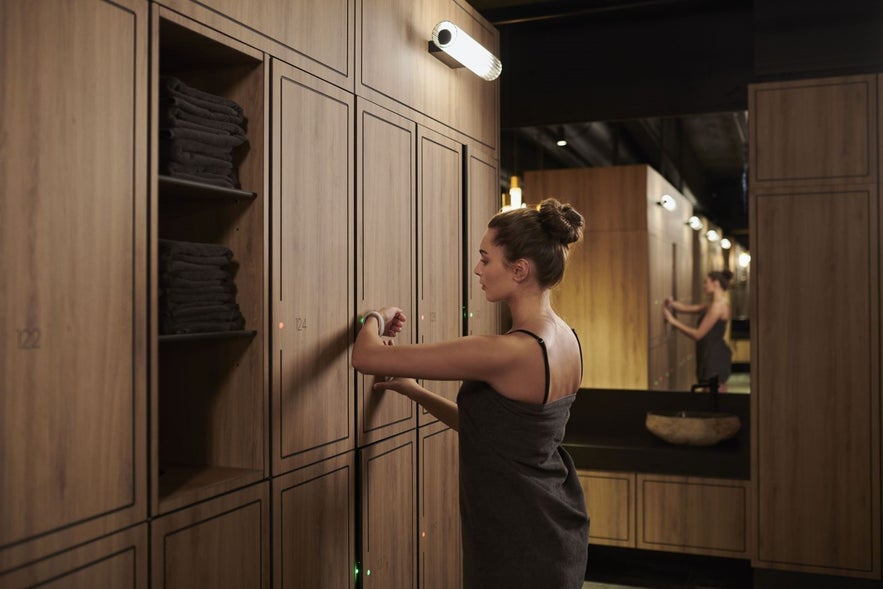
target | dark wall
x=677, y=59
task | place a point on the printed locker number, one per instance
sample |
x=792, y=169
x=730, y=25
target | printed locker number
x=29, y=338
x=300, y=323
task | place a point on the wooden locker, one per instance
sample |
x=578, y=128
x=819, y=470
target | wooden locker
x=439, y=311
x=118, y=561
x=385, y=250
x=815, y=443
x=73, y=305
x=313, y=247
x=317, y=37
x=482, y=201
x=314, y=514
x=222, y=543
x=389, y=513
x=438, y=494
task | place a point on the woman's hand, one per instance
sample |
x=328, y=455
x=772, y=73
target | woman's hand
x=404, y=386
x=667, y=314
x=669, y=303
x=394, y=319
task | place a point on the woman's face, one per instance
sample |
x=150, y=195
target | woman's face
x=708, y=285
x=492, y=270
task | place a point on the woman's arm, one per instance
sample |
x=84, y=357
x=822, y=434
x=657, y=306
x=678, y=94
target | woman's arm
x=680, y=307
x=444, y=409
x=697, y=333
x=465, y=358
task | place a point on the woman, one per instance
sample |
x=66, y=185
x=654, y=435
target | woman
x=713, y=354
x=522, y=509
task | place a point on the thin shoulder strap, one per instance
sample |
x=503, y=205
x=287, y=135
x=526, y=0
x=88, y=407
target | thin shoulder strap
x=545, y=358
x=580, y=346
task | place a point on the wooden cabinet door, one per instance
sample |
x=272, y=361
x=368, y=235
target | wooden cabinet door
x=610, y=503
x=815, y=409
x=314, y=525
x=313, y=147
x=389, y=513
x=814, y=132
x=438, y=494
x=439, y=313
x=385, y=250
x=693, y=515
x=482, y=202
x=219, y=544
x=73, y=300
x=317, y=37
x=118, y=561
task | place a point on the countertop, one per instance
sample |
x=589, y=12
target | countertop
x=606, y=432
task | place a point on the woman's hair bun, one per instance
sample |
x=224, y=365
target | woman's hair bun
x=561, y=221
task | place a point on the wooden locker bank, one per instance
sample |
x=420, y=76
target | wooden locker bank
x=193, y=193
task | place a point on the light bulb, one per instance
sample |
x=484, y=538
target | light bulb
x=455, y=42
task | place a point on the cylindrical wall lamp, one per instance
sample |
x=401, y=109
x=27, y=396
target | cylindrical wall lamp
x=454, y=42
x=514, y=193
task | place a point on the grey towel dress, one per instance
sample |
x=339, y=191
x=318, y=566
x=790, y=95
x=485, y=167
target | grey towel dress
x=522, y=510
x=713, y=355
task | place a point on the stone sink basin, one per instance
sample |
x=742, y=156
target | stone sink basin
x=692, y=428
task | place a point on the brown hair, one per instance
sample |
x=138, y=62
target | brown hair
x=722, y=276
x=542, y=235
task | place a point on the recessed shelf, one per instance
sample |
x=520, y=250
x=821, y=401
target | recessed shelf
x=171, y=188
x=210, y=335
x=182, y=485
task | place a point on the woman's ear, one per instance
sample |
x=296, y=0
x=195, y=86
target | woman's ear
x=520, y=270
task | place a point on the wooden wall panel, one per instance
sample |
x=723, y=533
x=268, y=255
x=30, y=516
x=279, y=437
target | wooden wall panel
x=219, y=544
x=439, y=311
x=119, y=561
x=700, y=516
x=385, y=264
x=314, y=514
x=314, y=143
x=815, y=407
x=393, y=63
x=73, y=307
x=610, y=503
x=820, y=131
x=317, y=37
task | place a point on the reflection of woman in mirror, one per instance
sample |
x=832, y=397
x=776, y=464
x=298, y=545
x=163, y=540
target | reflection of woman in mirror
x=713, y=354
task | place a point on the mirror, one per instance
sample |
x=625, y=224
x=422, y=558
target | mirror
x=638, y=183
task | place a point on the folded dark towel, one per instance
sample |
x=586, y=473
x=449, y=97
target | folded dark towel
x=190, y=105
x=181, y=150
x=197, y=262
x=176, y=123
x=213, y=179
x=207, y=174
x=197, y=287
x=217, y=311
x=172, y=247
x=203, y=137
x=177, y=116
x=171, y=278
x=169, y=152
x=175, y=265
x=175, y=85
x=202, y=298
x=170, y=327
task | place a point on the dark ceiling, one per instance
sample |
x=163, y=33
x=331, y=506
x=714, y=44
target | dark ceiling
x=658, y=82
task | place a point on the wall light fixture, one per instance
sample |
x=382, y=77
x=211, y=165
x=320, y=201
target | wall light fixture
x=455, y=48
x=713, y=235
x=695, y=223
x=726, y=243
x=667, y=202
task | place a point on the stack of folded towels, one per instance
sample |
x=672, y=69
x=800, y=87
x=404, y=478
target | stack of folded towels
x=198, y=134
x=196, y=288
